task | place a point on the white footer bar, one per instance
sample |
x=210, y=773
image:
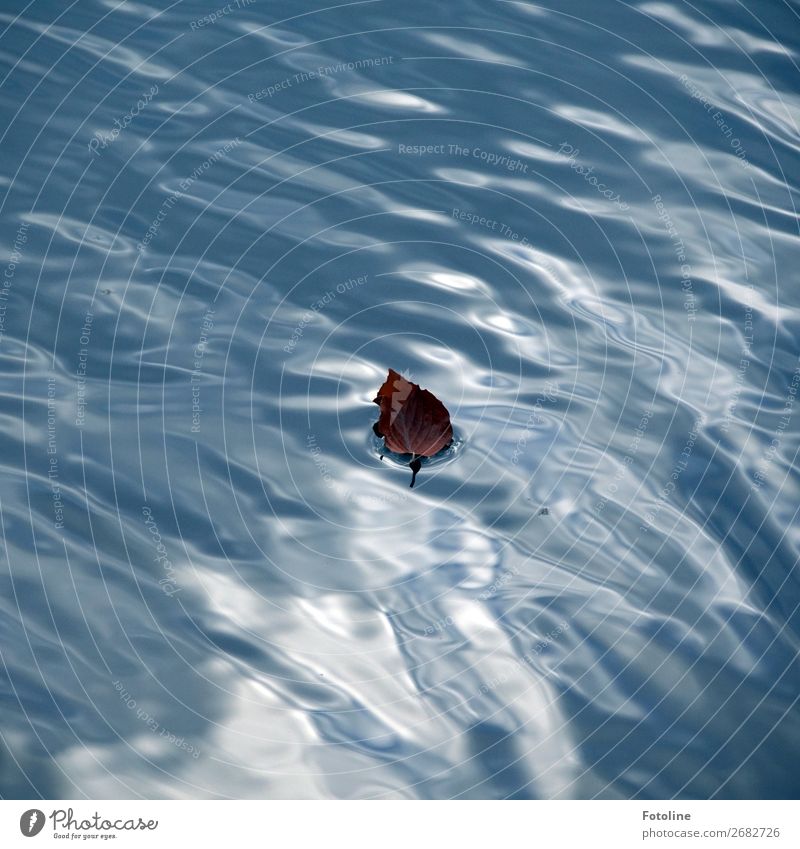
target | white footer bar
x=402, y=824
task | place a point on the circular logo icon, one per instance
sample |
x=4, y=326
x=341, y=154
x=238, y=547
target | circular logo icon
x=31, y=822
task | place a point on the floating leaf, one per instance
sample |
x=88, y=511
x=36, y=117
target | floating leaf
x=412, y=420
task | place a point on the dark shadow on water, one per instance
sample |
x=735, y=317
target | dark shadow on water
x=496, y=751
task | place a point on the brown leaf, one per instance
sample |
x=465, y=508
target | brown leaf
x=412, y=420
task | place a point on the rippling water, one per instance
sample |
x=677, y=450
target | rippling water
x=575, y=225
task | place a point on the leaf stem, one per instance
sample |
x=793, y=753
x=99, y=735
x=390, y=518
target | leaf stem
x=415, y=465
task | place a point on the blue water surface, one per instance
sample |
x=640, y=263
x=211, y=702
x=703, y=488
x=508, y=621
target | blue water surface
x=575, y=223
